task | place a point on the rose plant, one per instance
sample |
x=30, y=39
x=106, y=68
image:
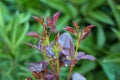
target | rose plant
x=59, y=52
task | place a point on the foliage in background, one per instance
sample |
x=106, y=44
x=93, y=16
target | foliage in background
x=104, y=42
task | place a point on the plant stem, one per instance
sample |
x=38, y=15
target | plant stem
x=71, y=68
x=57, y=77
x=73, y=60
x=57, y=61
x=45, y=56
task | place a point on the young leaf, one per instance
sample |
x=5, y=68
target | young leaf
x=82, y=55
x=101, y=16
x=100, y=37
x=65, y=40
x=34, y=34
x=38, y=66
x=41, y=21
x=114, y=11
x=76, y=25
x=55, y=17
x=86, y=31
x=23, y=34
x=70, y=29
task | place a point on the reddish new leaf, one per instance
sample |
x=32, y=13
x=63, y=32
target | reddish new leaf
x=41, y=21
x=53, y=29
x=86, y=31
x=57, y=37
x=49, y=22
x=34, y=34
x=76, y=25
x=70, y=29
x=34, y=46
x=55, y=17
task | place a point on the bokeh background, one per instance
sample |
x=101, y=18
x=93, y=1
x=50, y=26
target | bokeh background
x=104, y=41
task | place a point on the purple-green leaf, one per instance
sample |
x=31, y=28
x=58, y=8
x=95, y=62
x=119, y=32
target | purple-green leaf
x=38, y=66
x=34, y=34
x=77, y=76
x=82, y=55
x=65, y=40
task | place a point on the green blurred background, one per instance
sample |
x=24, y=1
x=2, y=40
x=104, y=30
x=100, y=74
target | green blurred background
x=104, y=41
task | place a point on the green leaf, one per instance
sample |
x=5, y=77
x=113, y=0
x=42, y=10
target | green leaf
x=116, y=32
x=86, y=67
x=115, y=57
x=95, y=3
x=115, y=48
x=115, y=12
x=24, y=17
x=84, y=9
x=5, y=37
x=101, y=16
x=23, y=34
x=6, y=76
x=111, y=69
x=14, y=32
x=1, y=18
x=9, y=26
x=89, y=45
x=111, y=66
x=78, y=1
x=100, y=37
x=35, y=11
x=62, y=23
x=69, y=9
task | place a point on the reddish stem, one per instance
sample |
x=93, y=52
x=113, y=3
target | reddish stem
x=57, y=77
x=71, y=68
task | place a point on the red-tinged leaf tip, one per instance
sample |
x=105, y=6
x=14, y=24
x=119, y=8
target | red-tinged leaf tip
x=70, y=29
x=34, y=34
x=41, y=21
x=34, y=46
x=55, y=17
x=88, y=28
x=49, y=21
x=75, y=24
x=86, y=31
x=53, y=29
x=57, y=37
